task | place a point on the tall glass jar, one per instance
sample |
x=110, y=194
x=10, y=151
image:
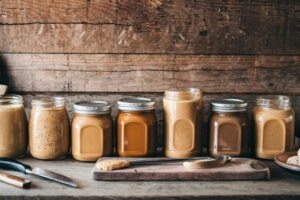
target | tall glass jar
x=49, y=128
x=136, y=127
x=229, y=130
x=274, y=126
x=183, y=120
x=92, y=128
x=13, y=127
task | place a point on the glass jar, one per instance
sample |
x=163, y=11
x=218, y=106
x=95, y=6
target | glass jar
x=49, y=128
x=274, y=126
x=91, y=130
x=136, y=127
x=183, y=120
x=13, y=126
x=229, y=131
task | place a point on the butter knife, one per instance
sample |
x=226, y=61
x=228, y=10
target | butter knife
x=11, y=164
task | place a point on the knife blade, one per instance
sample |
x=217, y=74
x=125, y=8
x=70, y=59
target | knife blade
x=47, y=174
x=6, y=163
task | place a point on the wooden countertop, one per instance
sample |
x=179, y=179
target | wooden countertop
x=281, y=186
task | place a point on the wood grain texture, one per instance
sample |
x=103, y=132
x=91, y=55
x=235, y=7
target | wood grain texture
x=150, y=26
x=152, y=73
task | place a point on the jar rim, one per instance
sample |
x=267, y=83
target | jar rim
x=274, y=101
x=136, y=104
x=92, y=107
x=189, y=93
x=229, y=105
x=48, y=101
x=11, y=99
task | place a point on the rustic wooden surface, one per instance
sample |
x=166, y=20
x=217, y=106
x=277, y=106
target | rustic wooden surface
x=150, y=26
x=282, y=186
x=237, y=169
x=152, y=73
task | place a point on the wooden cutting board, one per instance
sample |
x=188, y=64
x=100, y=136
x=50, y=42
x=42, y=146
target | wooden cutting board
x=237, y=169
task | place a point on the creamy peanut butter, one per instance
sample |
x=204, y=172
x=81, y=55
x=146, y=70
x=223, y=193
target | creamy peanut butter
x=49, y=128
x=13, y=127
x=183, y=120
x=229, y=134
x=274, y=126
x=136, y=127
x=91, y=130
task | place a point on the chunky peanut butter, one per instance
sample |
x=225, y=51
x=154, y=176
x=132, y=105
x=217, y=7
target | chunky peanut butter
x=183, y=120
x=274, y=126
x=13, y=126
x=49, y=129
x=136, y=127
x=229, y=134
x=91, y=131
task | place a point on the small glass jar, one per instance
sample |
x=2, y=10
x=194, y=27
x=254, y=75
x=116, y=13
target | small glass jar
x=136, y=127
x=49, y=128
x=229, y=131
x=13, y=127
x=91, y=130
x=274, y=126
x=183, y=122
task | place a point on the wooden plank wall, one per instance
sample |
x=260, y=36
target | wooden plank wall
x=108, y=49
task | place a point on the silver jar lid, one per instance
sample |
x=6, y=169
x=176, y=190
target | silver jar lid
x=11, y=99
x=136, y=104
x=92, y=107
x=228, y=105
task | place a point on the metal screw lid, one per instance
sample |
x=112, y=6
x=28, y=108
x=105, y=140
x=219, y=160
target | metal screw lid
x=228, y=105
x=136, y=104
x=92, y=107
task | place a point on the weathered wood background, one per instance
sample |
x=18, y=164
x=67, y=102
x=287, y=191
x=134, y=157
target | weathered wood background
x=108, y=49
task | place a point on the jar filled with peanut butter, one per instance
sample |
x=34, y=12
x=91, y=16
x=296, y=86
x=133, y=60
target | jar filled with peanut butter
x=91, y=130
x=183, y=120
x=49, y=128
x=136, y=127
x=229, y=131
x=274, y=121
x=13, y=127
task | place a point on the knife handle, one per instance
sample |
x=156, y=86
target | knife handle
x=15, y=180
x=11, y=164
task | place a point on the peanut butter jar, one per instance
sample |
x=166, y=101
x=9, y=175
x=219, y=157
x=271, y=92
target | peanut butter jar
x=136, y=127
x=91, y=130
x=274, y=126
x=13, y=127
x=183, y=122
x=49, y=128
x=229, y=131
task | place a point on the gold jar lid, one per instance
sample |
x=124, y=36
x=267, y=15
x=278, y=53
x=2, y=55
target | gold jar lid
x=183, y=94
